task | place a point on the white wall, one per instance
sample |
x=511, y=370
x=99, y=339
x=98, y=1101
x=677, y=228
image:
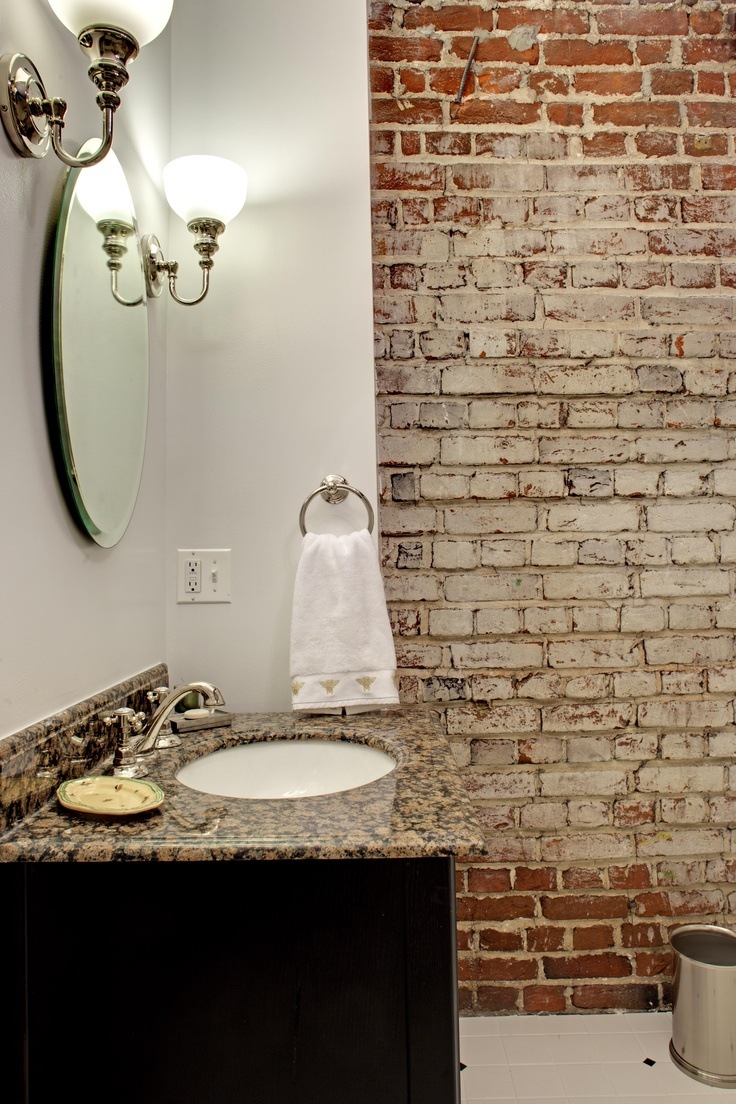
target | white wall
x=74, y=618
x=270, y=380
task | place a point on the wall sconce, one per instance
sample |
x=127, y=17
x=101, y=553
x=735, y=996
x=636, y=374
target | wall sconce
x=103, y=192
x=207, y=192
x=110, y=33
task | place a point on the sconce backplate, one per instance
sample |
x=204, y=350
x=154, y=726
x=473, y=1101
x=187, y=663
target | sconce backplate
x=153, y=258
x=21, y=96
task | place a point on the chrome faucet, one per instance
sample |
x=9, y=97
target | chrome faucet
x=149, y=735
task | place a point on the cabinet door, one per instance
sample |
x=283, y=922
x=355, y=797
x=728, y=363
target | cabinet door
x=217, y=983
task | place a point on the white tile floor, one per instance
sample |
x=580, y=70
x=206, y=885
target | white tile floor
x=576, y=1059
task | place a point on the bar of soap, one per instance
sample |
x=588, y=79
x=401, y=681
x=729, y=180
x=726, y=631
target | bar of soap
x=196, y=714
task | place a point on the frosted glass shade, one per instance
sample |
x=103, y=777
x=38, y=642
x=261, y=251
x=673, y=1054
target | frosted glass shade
x=205, y=187
x=144, y=19
x=103, y=190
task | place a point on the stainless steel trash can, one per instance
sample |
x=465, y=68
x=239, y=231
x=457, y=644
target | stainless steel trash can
x=703, y=1042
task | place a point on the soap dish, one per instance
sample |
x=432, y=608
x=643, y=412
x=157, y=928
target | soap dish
x=109, y=795
x=210, y=718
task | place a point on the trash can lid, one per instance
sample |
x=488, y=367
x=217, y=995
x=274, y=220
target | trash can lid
x=706, y=943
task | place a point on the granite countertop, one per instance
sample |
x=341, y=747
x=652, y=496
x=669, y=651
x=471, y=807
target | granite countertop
x=420, y=809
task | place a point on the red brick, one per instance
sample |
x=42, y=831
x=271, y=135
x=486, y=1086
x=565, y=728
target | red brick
x=411, y=112
x=641, y=22
x=572, y=51
x=452, y=144
x=710, y=83
x=605, y=83
x=484, y=880
x=587, y=966
x=454, y=17
x=461, y=210
x=592, y=907
x=497, y=998
x=390, y=177
x=496, y=939
x=702, y=51
x=634, y=998
x=446, y=82
x=382, y=80
x=641, y=935
x=605, y=144
x=465, y=999
x=705, y=145
x=495, y=908
x=497, y=82
x=464, y=939
x=653, y=51
x=495, y=49
x=530, y=878
x=593, y=938
x=711, y=113
x=706, y=22
x=496, y=112
x=553, y=84
x=544, y=998
x=411, y=143
x=637, y=877
x=565, y=114
x=652, y=963
x=655, y=113
x=719, y=178
x=497, y=968
x=656, y=145
x=671, y=82
x=583, y=877
x=396, y=48
x=545, y=938
x=413, y=80
x=549, y=21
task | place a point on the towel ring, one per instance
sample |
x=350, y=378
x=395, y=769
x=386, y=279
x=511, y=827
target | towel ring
x=334, y=489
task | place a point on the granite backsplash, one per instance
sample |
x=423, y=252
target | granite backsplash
x=71, y=743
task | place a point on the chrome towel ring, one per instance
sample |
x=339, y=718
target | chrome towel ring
x=334, y=489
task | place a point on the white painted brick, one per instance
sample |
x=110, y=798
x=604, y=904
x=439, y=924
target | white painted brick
x=589, y=814
x=693, y=550
x=593, y=551
x=610, y=781
x=503, y=517
x=492, y=414
x=687, y=482
x=610, y=653
x=492, y=343
x=547, y=619
x=584, y=584
x=590, y=619
x=588, y=687
x=645, y=618
x=494, y=484
x=502, y=653
x=559, y=553
x=501, y=586
x=676, y=517
x=501, y=306
x=487, y=378
x=498, y=621
x=592, y=414
x=635, y=482
x=684, y=581
x=454, y=554
x=496, y=449
x=604, y=517
x=702, y=841
x=503, y=553
x=611, y=379
x=544, y=815
x=450, y=622
x=588, y=847
x=541, y=484
x=670, y=448
x=689, y=649
x=589, y=749
x=690, y=615
x=602, y=716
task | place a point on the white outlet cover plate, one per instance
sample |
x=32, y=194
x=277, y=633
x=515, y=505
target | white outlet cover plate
x=215, y=574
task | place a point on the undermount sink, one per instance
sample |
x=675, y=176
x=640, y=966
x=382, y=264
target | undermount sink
x=286, y=769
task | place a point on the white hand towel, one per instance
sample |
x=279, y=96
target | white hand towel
x=342, y=650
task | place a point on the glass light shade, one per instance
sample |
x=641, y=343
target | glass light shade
x=144, y=19
x=205, y=187
x=103, y=190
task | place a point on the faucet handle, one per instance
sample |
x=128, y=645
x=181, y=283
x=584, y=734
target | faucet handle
x=157, y=694
x=125, y=764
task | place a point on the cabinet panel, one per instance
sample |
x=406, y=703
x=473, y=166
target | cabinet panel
x=314, y=982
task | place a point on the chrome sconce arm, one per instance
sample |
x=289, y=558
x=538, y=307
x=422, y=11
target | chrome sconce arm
x=114, y=233
x=206, y=232
x=34, y=121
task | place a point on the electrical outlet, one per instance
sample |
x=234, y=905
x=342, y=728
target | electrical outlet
x=203, y=575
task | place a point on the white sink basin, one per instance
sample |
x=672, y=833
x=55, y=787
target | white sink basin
x=286, y=769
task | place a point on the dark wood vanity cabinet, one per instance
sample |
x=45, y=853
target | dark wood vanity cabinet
x=327, y=981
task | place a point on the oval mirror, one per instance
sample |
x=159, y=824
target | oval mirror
x=99, y=394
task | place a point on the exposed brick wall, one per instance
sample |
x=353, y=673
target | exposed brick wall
x=555, y=259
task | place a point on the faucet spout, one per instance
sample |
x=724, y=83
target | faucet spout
x=147, y=739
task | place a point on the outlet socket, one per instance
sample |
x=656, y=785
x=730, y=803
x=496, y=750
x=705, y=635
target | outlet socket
x=203, y=575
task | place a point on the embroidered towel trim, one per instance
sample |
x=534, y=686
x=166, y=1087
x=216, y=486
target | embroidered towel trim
x=342, y=648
